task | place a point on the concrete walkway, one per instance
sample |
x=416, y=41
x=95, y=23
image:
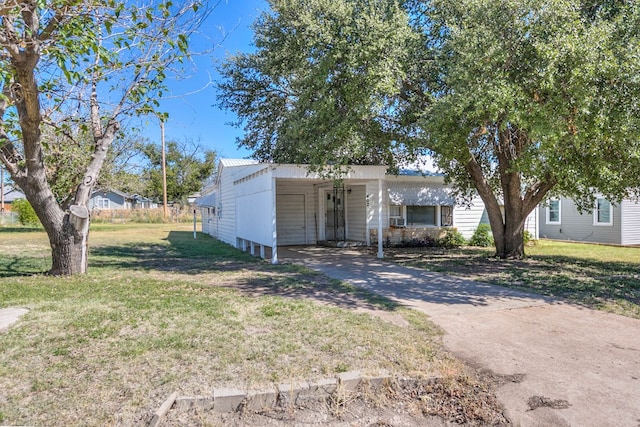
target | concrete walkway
x=571, y=366
x=9, y=316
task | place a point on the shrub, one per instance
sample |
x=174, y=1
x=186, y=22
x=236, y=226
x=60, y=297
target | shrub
x=482, y=236
x=26, y=215
x=452, y=239
x=424, y=242
x=527, y=237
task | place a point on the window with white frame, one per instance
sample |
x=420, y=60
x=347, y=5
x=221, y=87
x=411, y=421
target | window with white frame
x=102, y=203
x=602, y=213
x=396, y=216
x=420, y=216
x=554, y=212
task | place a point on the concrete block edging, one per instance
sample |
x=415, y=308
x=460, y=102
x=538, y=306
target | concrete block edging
x=285, y=394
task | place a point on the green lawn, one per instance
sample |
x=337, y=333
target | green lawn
x=597, y=276
x=160, y=312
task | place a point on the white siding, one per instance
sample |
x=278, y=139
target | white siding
x=291, y=219
x=531, y=224
x=356, y=213
x=227, y=199
x=371, y=201
x=254, y=217
x=466, y=219
x=309, y=209
x=630, y=222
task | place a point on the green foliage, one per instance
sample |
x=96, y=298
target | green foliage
x=187, y=165
x=26, y=215
x=514, y=99
x=546, y=85
x=527, y=237
x=320, y=78
x=452, y=239
x=482, y=236
x=71, y=72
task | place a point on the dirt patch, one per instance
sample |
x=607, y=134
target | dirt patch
x=535, y=402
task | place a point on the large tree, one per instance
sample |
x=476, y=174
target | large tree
x=68, y=67
x=517, y=100
x=188, y=165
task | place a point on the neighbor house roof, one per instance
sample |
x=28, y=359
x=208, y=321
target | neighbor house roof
x=11, y=194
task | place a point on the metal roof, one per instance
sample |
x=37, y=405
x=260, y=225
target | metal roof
x=238, y=162
x=207, y=200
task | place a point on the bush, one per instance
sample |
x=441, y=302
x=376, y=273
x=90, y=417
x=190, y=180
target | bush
x=482, y=236
x=527, y=237
x=452, y=239
x=26, y=215
x=424, y=242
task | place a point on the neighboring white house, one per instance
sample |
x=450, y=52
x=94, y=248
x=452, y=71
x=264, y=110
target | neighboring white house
x=258, y=207
x=606, y=223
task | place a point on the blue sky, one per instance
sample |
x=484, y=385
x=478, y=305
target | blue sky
x=193, y=115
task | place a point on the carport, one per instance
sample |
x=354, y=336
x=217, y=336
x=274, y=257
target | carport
x=277, y=205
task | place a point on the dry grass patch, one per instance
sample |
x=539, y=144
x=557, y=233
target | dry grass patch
x=160, y=312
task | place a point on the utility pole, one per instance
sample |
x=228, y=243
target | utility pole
x=164, y=173
x=1, y=189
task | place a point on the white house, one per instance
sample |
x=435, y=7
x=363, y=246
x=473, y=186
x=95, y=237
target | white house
x=606, y=223
x=258, y=207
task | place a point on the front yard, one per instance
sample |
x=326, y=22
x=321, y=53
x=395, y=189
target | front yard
x=161, y=312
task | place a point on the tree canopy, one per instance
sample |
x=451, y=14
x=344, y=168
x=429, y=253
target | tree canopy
x=69, y=69
x=188, y=165
x=320, y=82
x=516, y=100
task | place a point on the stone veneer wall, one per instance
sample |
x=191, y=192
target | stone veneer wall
x=400, y=235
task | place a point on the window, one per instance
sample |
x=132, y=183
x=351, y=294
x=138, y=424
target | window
x=446, y=216
x=553, y=212
x=602, y=212
x=102, y=203
x=421, y=215
x=396, y=216
x=395, y=211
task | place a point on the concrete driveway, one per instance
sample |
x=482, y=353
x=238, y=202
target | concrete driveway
x=568, y=365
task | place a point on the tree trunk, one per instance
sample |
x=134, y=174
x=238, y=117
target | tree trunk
x=68, y=251
x=508, y=228
x=67, y=231
x=510, y=241
x=69, y=245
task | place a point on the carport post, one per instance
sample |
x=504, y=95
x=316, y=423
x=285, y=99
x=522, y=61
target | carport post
x=380, y=252
x=274, y=245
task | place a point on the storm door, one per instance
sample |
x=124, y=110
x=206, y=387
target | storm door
x=335, y=218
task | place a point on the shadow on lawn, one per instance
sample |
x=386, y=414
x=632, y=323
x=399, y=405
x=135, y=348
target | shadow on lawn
x=204, y=255
x=21, y=266
x=584, y=281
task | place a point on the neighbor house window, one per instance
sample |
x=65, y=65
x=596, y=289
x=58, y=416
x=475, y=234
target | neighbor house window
x=553, y=212
x=602, y=213
x=102, y=203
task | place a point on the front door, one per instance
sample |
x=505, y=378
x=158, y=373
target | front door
x=335, y=219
